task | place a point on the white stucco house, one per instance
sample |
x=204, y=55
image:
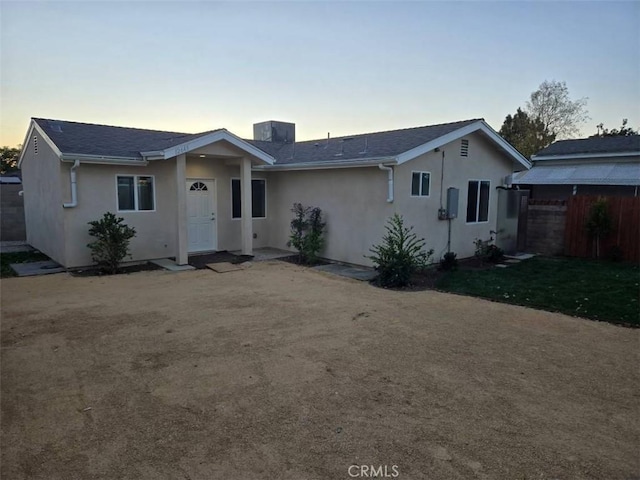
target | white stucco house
x=213, y=191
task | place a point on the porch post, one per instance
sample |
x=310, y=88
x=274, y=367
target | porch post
x=182, y=257
x=245, y=193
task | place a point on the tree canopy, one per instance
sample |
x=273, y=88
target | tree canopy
x=623, y=131
x=560, y=115
x=528, y=135
x=9, y=159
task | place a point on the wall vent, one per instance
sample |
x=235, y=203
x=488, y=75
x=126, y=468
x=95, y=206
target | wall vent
x=35, y=145
x=464, y=147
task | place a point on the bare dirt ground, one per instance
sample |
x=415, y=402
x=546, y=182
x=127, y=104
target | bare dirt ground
x=281, y=372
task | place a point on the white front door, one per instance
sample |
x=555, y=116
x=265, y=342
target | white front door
x=201, y=215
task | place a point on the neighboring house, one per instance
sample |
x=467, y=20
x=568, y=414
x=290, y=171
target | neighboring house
x=588, y=166
x=187, y=193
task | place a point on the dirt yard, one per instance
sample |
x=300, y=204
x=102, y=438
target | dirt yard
x=280, y=372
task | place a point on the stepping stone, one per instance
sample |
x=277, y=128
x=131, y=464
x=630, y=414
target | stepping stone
x=223, y=267
x=171, y=265
x=37, y=268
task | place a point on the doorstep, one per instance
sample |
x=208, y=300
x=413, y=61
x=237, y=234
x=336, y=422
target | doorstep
x=170, y=265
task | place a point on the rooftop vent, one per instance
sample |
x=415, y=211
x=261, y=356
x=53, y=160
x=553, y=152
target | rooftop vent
x=56, y=127
x=273, y=131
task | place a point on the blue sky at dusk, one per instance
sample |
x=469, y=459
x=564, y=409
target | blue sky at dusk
x=343, y=67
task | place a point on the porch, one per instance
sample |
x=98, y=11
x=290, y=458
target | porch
x=219, y=204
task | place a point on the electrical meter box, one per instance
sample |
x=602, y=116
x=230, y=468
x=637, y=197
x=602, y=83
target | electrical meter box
x=452, y=202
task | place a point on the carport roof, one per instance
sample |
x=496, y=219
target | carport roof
x=602, y=173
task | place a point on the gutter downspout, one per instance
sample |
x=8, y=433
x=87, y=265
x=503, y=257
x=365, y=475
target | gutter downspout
x=74, y=186
x=390, y=181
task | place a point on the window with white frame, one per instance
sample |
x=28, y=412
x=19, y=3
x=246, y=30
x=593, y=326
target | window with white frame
x=258, y=198
x=478, y=201
x=135, y=193
x=420, y=184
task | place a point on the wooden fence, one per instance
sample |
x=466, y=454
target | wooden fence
x=625, y=215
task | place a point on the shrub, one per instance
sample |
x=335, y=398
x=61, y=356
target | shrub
x=400, y=254
x=112, y=241
x=307, y=230
x=449, y=262
x=487, y=251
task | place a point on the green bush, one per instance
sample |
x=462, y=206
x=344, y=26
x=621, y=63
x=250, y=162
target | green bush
x=400, y=254
x=307, y=230
x=449, y=262
x=112, y=241
x=487, y=251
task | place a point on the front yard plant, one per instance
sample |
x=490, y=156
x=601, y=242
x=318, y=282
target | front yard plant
x=307, y=233
x=400, y=255
x=112, y=241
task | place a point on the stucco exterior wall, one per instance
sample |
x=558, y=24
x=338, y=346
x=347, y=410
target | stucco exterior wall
x=354, y=201
x=42, y=179
x=156, y=234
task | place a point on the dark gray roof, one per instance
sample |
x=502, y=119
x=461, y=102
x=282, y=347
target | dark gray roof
x=593, y=145
x=357, y=147
x=109, y=141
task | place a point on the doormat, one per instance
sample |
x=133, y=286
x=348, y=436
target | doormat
x=223, y=267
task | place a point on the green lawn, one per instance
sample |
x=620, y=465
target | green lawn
x=598, y=290
x=18, y=257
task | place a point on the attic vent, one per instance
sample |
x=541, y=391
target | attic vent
x=464, y=147
x=35, y=145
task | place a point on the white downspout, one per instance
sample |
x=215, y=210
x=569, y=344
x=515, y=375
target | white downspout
x=74, y=186
x=390, y=181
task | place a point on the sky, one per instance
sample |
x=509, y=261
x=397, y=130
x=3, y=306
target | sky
x=340, y=67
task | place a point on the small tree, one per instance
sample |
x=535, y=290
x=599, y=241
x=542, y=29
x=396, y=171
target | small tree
x=400, y=254
x=599, y=223
x=307, y=230
x=112, y=241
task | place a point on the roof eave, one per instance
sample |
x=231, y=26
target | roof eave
x=332, y=164
x=578, y=156
x=34, y=125
x=102, y=159
x=213, y=137
x=480, y=125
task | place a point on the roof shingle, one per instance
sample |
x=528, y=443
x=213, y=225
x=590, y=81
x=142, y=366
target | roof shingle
x=110, y=141
x=592, y=145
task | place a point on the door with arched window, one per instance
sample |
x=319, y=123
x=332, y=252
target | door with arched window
x=201, y=215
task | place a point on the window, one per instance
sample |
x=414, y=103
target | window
x=135, y=193
x=258, y=198
x=420, y=183
x=478, y=201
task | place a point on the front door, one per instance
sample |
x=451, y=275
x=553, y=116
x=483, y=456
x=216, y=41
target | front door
x=201, y=215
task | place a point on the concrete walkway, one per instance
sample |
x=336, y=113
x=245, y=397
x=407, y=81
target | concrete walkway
x=14, y=247
x=363, y=274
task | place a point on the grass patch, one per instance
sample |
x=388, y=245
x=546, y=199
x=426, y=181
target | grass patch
x=18, y=257
x=598, y=290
